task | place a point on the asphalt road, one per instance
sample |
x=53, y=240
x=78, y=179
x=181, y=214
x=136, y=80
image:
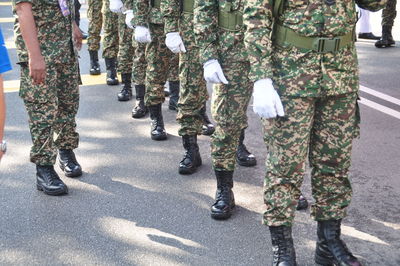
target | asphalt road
x=132, y=207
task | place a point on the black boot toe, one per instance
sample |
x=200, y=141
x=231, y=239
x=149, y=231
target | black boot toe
x=48, y=181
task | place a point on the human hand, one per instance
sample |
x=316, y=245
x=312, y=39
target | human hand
x=174, y=42
x=77, y=36
x=128, y=18
x=213, y=72
x=37, y=69
x=266, y=101
x=142, y=34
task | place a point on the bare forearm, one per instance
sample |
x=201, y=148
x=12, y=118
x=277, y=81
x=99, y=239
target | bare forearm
x=28, y=29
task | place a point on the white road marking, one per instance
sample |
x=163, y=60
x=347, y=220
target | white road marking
x=380, y=108
x=380, y=95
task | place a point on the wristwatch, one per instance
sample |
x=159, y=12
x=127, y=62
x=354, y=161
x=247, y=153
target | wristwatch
x=3, y=146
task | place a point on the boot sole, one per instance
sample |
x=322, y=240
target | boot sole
x=112, y=83
x=246, y=164
x=51, y=193
x=220, y=216
x=186, y=171
x=158, y=138
x=77, y=174
x=138, y=116
x=124, y=99
x=96, y=73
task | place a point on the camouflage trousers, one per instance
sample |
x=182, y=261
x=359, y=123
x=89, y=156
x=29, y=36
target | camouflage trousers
x=139, y=63
x=193, y=90
x=159, y=64
x=126, y=50
x=389, y=13
x=110, y=31
x=228, y=107
x=322, y=128
x=52, y=108
x=95, y=18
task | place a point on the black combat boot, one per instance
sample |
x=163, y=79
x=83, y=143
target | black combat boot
x=224, y=199
x=368, y=36
x=331, y=250
x=387, y=38
x=174, y=95
x=140, y=109
x=282, y=246
x=69, y=164
x=207, y=128
x=191, y=160
x=49, y=182
x=302, y=204
x=126, y=92
x=94, y=63
x=243, y=156
x=111, y=65
x=157, y=123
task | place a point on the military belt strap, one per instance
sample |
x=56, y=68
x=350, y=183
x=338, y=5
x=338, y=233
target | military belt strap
x=231, y=20
x=156, y=3
x=187, y=6
x=284, y=36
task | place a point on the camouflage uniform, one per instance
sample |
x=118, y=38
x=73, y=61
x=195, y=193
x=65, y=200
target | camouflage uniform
x=51, y=106
x=389, y=13
x=126, y=49
x=139, y=63
x=159, y=58
x=193, y=91
x=95, y=18
x=319, y=93
x=110, y=30
x=229, y=102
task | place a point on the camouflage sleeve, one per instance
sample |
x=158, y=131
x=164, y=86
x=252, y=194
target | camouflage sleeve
x=141, y=11
x=170, y=10
x=258, y=20
x=205, y=28
x=127, y=4
x=371, y=5
x=15, y=2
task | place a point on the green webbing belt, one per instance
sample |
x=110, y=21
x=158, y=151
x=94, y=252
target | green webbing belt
x=156, y=3
x=286, y=37
x=229, y=19
x=188, y=6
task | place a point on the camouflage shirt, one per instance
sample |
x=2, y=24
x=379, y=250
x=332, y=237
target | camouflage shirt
x=170, y=10
x=215, y=42
x=312, y=18
x=54, y=31
x=145, y=13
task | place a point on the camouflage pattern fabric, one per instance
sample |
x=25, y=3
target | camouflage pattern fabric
x=173, y=71
x=193, y=90
x=158, y=59
x=54, y=33
x=323, y=128
x=95, y=18
x=110, y=31
x=52, y=108
x=126, y=50
x=229, y=102
x=319, y=92
x=389, y=13
x=145, y=13
x=139, y=63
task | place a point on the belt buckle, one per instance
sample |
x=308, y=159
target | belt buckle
x=326, y=45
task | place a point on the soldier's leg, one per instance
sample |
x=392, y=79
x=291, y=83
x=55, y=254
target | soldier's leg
x=229, y=107
x=193, y=95
x=95, y=18
x=173, y=82
x=110, y=43
x=67, y=138
x=388, y=16
x=125, y=58
x=335, y=125
x=158, y=56
x=287, y=140
x=139, y=77
x=41, y=104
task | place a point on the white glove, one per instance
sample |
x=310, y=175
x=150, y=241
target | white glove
x=116, y=6
x=142, y=34
x=128, y=18
x=174, y=42
x=266, y=101
x=213, y=72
